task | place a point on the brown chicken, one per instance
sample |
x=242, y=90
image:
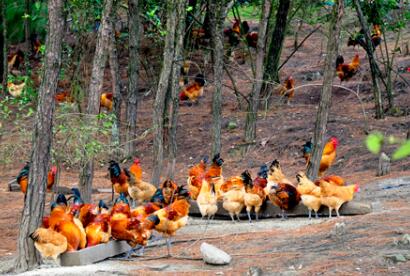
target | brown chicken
x=22, y=177
x=207, y=200
x=285, y=196
x=64, y=96
x=288, y=89
x=346, y=71
x=49, y=243
x=254, y=193
x=106, y=100
x=332, y=179
x=275, y=175
x=99, y=229
x=140, y=191
x=359, y=38
x=166, y=193
x=119, y=178
x=195, y=177
x=194, y=90
x=141, y=212
x=214, y=174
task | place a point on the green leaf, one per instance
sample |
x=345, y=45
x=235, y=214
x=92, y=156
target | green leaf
x=189, y=8
x=403, y=151
x=374, y=142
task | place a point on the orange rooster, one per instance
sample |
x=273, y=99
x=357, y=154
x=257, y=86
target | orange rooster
x=359, y=39
x=136, y=169
x=195, y=177
x=106, y=100
x=285, y=196
x=328, y=155
x=346, y=71
x=288, y=89
x=22, y=177
x=214, y=174
x=99, y=229
x=119, y=178
x=193, y=91
x=141, y=212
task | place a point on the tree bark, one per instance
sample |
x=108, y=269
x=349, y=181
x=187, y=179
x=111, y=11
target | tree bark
x=27, y=19
x=173, y=121
x=326, y=94
x=42, y=138
x=116, y=90
x=373, y=65
x=163, y=85
x=133, y=68
x=217, y=14
x=3, y=48
x=275, y=47
x=94, y=90
x=251, y=116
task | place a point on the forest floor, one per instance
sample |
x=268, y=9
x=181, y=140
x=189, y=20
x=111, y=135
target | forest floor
x=293, y=247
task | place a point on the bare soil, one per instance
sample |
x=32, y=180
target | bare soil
x=294, y=247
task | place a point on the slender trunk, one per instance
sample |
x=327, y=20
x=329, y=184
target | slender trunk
x=116, y=90
x=94, y=90
x=133, y=68
x=173, y=118
x=34, y=203
x=251, y=116
x=2, y=43
x=326, y=94
x=27, y=40
x=3, y=49
x=163, y=85
x=373, y=65
x=275, y=47
x=217, y=14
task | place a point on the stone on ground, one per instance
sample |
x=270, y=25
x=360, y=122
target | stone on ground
x=214, y=255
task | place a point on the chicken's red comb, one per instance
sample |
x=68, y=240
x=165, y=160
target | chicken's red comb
x=356, y=188
x=408, y=69
x=136, y=160
x=54, y=169
x=335, y=141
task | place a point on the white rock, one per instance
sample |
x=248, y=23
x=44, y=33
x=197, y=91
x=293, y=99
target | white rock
x=214, y=255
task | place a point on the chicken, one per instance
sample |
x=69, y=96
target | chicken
x=99, y=229
x=64, y=96
x=106, y=100
x=310, y=193
x=173, y=217
x=207, y=200
x=36, y=45
x=255, y=195
x=288, y=89
x=15, y=90
x=119, y=178
x=49, y=243
x=165, y=194
x=195, y=176
x=87, y=213
x=359, y=39
x=334, y=196
x=183, y=78
x=252, y=39
x=328, y=155
x=234, y=197
x=214, y=174
x=346, y=71
x=136, y=169
x=332, y=179
x=140, y=191
x=285, y=196
x=22, y=177
x=275, y=175
x=141, y=212
x=193, y=91
x=15, y=59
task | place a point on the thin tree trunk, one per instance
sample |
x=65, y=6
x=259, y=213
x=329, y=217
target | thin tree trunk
x=163, y=85
x=275, y=47
x=94, y=90
x=116, y=90
x=34, y=203
x=27, y=40
x=326, y=94
x=173, y=118
x=217, y=15
x=2, y=43
x=133, y=68
x=251, y=116
x=373, y=65
x=3, y=49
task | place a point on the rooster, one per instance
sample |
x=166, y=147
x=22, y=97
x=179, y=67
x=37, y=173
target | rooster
x=328, y=155
x=288, y=89
x=275, y=175
x=234, y=197
x=346, y=71
x=359, y=39
x=214, y=174
x=99, y=229
x=22, y=177
x=119, y=178
x=285, y=196
x=139, y=190
x=310, y=194
x=193, y=91
x=136, y=169
x=254, y=193
x=195, y=177
x=106, y=100
x=334, y=196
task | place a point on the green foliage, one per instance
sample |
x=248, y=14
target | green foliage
x=375, y=141
x=403, y=151
x=84, y=15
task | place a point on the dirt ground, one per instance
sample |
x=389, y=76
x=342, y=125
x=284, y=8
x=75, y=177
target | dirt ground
x=293, y=247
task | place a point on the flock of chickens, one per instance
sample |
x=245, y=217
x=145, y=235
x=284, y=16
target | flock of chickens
x=74, y=224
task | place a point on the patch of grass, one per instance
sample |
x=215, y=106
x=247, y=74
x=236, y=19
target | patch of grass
x=250, y=12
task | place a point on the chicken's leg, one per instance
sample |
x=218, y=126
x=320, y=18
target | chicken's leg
x=316, y=215
x=169, y=246
x=337, y=213
x=310, y=214
x=330, y=212
x=256, y=216
x=232, y=217
x=249, y=216
x=237, y=216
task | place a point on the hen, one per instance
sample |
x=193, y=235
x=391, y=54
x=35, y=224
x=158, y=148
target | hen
x=288, y=89
x=206, y=200
x=275, y=175
x=346, y=71
x=195, y=177
x=254, y=193
x=334, y=196
x=193, y=91
x=234, y=197
x=140, y=191
x=49, y=243
x=99, y=229
x=310, y=193
x=106, y=100
x=285, y=196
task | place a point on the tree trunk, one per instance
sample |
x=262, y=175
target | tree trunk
x=163, y=85
x=275, y=47
x=133, y=67
x=116, y=90
x=251, y=116
x=42, y=138
x=3, y=49
x=173, y=118
x=325, y=98
x=27, y=40
x=2, y=43
x=94, y=90
x=373, y=65
x=217, y=14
